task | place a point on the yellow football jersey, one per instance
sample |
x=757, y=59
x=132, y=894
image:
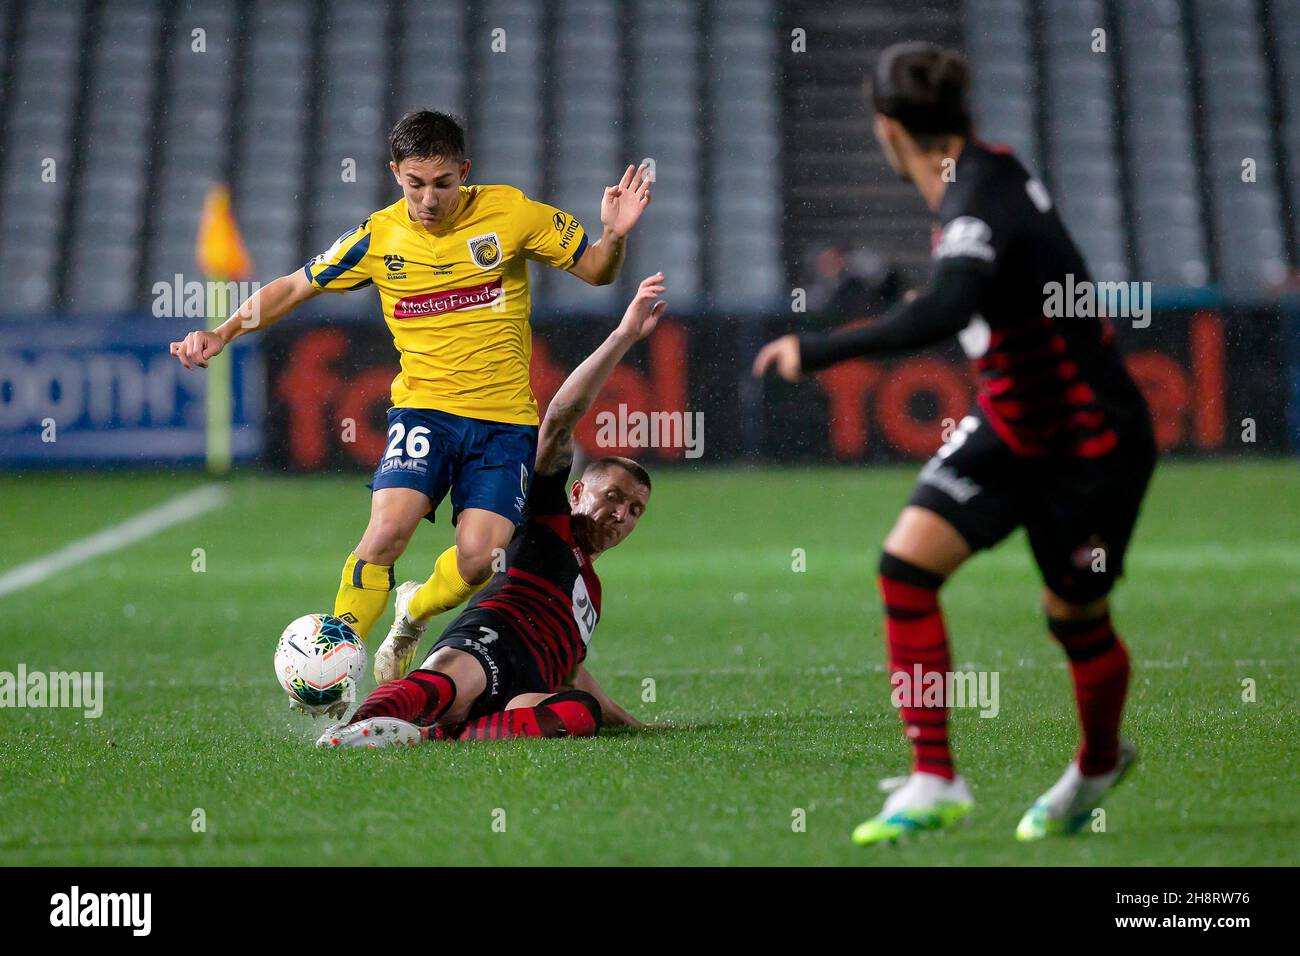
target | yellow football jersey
x=456, y=296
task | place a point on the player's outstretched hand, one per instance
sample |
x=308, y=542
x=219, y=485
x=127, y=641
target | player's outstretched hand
x=618, y=717
x=623, y=204
x=197, y=348
x=783, y=354
x=643, y=311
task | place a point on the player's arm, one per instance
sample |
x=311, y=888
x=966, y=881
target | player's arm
x=620, y=209
x=571, y=402
x=611, y=714
x=941, y=311
x=261, y=310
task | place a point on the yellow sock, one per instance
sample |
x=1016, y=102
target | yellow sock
x=444, y=590
x=363, y=593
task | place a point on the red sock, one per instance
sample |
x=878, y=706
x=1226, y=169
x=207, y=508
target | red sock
x=1099, y=666
x=573, y=713
x=915, y=636
x=421, y=697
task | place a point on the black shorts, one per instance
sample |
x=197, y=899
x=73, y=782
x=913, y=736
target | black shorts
x=508, y=666
x=1079, y=513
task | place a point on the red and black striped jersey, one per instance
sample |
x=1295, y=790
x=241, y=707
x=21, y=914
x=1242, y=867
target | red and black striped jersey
x=1050, y=384
x=548, y=588
x=1004, y=281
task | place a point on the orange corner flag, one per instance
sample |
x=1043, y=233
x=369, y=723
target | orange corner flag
x=221, y=252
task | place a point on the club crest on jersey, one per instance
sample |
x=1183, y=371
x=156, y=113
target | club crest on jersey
x=395, y=265
x=485, y=251
x=966, y=236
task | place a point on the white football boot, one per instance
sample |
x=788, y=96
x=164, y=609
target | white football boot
x=395, y=656
x=919, y=801
x=1068, y=806
x=372, y=734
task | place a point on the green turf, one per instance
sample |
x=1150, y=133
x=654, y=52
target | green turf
x=772, y=681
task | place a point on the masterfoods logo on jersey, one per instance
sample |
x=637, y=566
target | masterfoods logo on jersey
x=451, y=300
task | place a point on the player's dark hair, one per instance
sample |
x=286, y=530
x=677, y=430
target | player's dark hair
x=425, y=134
x=633, y=468
x=926, y=88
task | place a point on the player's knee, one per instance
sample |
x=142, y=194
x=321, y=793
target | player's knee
x=385, y=539
x=476, y=554
x=894, y=567
x=475, y=566
x=578, y=713
x=1073, y=606
x=924, y=539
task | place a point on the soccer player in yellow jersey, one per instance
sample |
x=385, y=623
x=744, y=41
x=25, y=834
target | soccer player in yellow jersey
x=450, y=263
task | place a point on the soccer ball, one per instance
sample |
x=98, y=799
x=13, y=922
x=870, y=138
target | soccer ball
x=319, y=662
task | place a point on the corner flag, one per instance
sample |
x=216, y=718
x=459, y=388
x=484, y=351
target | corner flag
x=224, y=260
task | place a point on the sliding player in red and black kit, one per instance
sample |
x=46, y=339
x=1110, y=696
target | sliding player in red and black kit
x=1060, y=443
x=511, y=664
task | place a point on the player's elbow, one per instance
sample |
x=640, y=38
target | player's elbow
x=592, y=272
x=298, y=287
x=561, y=415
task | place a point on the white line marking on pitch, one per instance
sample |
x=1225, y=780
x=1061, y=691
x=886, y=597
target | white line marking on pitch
x=146, y=524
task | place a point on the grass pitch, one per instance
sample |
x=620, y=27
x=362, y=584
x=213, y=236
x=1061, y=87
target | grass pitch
x=772, y=681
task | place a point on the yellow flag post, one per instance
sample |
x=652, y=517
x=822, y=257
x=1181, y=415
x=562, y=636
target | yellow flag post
x=224, y=261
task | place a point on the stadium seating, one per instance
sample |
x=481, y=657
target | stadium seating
x=347, y=154
x=271, y=180
x=1005, y=87
x=586, y=149
x=1082, y=155
x=38, y=156
x=838, y=188
x=195, y=128
x=1245, y=216
x=664, y=76
x=743, y=156
x=1160, y=148
x=1144, y=144
x=1286, y=44
x=117, y=115
x=107, y=220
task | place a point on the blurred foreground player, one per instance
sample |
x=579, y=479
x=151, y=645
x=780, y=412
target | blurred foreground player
x=511, y=664
x=1060, y=443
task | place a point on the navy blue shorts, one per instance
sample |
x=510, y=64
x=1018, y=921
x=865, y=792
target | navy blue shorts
x=484, y=464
